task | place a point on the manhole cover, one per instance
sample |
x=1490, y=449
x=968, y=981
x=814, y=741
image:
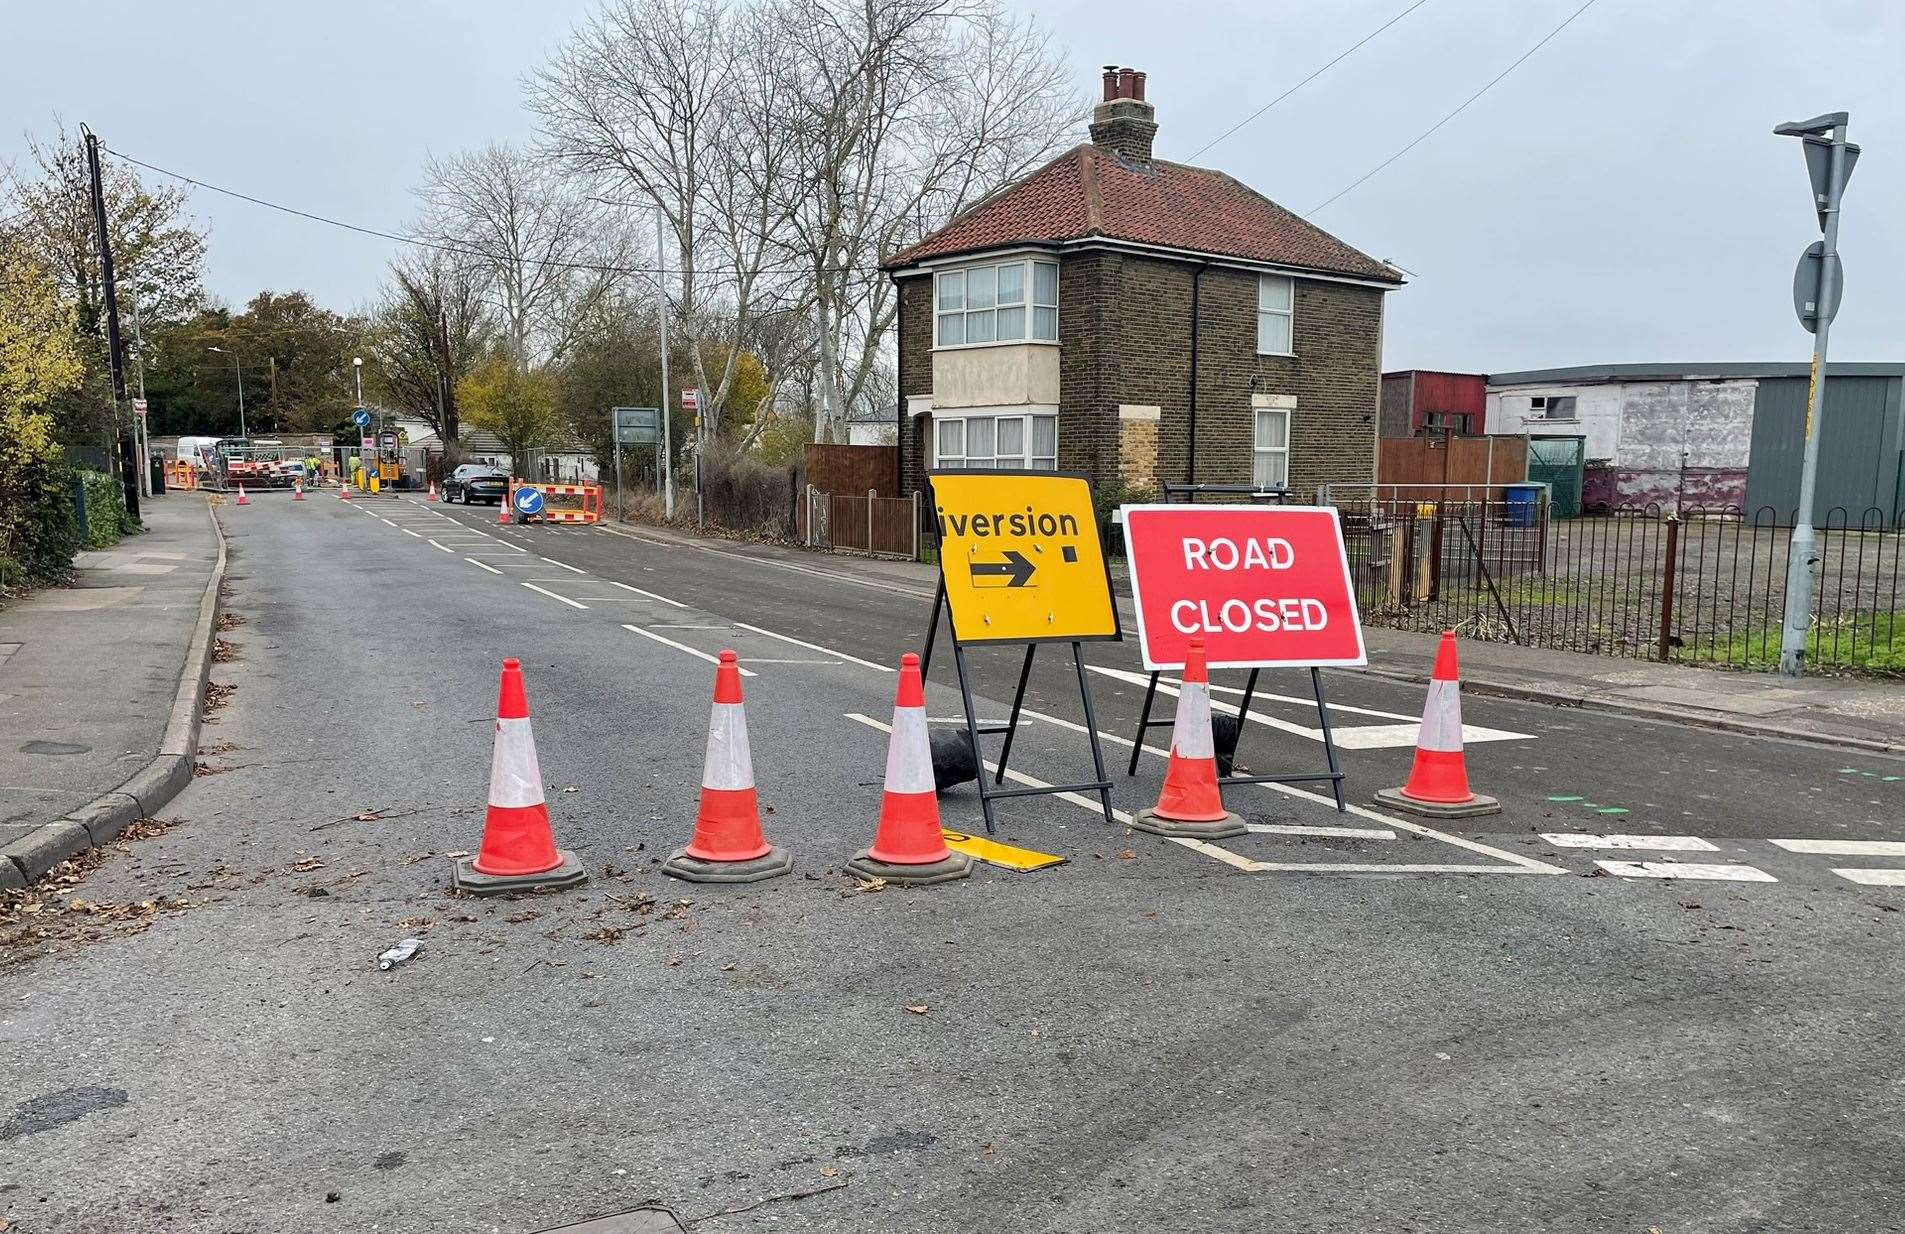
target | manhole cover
x=54, y=747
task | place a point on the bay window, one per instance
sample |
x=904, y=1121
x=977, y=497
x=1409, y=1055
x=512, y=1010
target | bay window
x=1003, y=302
x=1013, y=441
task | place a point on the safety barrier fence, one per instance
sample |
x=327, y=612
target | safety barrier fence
x=871, y=524
x=1698, y=585
x=581, y=503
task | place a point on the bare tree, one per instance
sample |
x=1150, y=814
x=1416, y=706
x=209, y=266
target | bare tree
x=905, y=112
x=547, y=250
x=430, y=330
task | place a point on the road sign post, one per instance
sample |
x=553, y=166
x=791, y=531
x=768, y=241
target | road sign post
x=1020, y=562
x=1262, y=586
x=637, y=426
x=1829, y=162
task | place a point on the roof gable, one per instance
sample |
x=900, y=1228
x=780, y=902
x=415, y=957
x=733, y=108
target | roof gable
x=1089, y=193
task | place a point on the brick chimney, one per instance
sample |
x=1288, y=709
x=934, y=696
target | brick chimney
x=1124, y=123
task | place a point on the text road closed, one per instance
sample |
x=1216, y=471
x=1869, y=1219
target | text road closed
x=1261, y=585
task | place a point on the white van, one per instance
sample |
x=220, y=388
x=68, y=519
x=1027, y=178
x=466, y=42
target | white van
x=197, y=451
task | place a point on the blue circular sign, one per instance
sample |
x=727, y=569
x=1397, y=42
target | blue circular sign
x=528, y=501
x=360, y=418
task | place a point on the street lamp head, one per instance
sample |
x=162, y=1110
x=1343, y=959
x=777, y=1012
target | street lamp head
x=357, y=361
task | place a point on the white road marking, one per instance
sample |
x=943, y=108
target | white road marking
x=1523, y=865
x=1873, y=878
x=571, y=569
x=479, y=565
x=785, y=638
x=1339, y=833
x=553, y=596
x=1347, y=736
x=686, y=625
x=1846, y=848
x=1238, y=860
x=450, y=551
x=759, y=660
x=665, y=641
x=1691, y=870
x=382, y=519
x=649, y=594
x=409, y=532
x=1664, y=844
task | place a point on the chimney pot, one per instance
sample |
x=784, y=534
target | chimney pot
x=1111, y=82
x=1137, y=85
x=1124, y=84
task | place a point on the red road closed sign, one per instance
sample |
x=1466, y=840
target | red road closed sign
x=1261, y=585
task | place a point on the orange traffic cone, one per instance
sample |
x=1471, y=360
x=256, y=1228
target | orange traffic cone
x=1438, y=780
x=433, y=490
x=728, y=846
x=909, y=847
x=344, y=488
x=502, y=507
x=242, y=499
x=297, y=490
x=519, y=851
x=1189, y=803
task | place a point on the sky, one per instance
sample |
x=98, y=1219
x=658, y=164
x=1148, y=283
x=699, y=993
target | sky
x=1618, y=198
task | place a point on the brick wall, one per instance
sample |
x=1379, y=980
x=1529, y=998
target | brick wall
x=916, y=377
x=1124, y=330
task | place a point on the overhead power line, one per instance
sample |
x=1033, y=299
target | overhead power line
x=1342, y=56
x=1462, y=107
x=464, y=249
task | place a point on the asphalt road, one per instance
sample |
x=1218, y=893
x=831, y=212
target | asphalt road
x=1148, y=1037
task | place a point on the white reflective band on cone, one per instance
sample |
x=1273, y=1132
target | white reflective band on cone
x=515, y=778
x=1442, y=718
x=909, y=755
x=730, y=765
x=1190, y=733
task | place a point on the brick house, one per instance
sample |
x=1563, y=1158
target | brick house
x=1059, y=323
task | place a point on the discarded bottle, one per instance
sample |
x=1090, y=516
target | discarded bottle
x=404, y=949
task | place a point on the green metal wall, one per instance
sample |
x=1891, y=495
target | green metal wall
x=1861, y=447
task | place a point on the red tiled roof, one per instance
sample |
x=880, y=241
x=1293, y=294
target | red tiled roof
x=1089, y=192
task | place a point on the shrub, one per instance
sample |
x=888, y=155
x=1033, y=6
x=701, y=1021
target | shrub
x=106, y=516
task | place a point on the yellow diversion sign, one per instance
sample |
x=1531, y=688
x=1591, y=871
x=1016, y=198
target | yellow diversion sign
x=1020, y=556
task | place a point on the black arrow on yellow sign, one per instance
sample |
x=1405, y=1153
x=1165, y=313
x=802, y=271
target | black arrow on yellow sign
x=1016, y=570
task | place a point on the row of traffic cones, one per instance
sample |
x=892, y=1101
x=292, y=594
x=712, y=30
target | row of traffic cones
x=728, y=845
x=1191, y=803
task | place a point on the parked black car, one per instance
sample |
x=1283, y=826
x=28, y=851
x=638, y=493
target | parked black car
x=474, y=482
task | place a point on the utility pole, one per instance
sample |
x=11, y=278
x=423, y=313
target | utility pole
x=116, y=359
x=240, y=374
x=1817, y=286
x=661, y=314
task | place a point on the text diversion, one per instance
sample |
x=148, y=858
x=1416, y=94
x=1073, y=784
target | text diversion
x=1238, y=616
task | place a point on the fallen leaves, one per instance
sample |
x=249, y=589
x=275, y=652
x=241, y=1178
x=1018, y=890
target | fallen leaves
x=918, y=1008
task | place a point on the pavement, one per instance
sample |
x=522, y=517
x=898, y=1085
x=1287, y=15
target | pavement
x=1849, y=712
x=1653, y=993
x=99, y=685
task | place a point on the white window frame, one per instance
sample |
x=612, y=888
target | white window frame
x=1260, y=452
x=1541, y=407
x=1286, y=314
x=1023, y=460
x=1028, y=301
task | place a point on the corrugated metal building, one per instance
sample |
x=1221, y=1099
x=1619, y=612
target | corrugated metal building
x=1719, y=434
x=1418, y=401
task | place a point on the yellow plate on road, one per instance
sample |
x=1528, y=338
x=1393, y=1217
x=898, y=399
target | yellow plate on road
x=995, y=853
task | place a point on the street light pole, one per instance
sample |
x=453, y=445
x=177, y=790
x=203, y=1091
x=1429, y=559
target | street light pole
x=1802, y=563
x=240, y=374
x=661, y=313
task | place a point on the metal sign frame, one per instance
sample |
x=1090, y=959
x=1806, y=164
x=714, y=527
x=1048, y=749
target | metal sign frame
x=1334, y=776
x=995, y=791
